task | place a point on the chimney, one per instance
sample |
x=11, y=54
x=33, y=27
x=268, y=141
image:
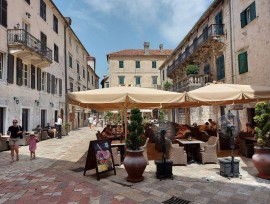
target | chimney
x=68, y=19
x=146, y=48
x=161, y=48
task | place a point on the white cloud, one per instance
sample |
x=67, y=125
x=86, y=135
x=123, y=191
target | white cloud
x=172, y=18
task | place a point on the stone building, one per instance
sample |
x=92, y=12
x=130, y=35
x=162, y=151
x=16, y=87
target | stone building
x=35, y=73
x=229, y=44
x=137, y=67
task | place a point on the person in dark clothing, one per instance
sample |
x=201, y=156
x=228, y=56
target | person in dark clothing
x=15, y=131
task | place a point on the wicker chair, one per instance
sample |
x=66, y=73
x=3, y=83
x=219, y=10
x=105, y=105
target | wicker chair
x=208, y=152
x=116, y=156
x=176, y=153
x=144, y=147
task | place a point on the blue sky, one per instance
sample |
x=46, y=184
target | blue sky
x=106, y=26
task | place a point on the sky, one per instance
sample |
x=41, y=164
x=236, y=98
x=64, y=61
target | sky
x=106, y=26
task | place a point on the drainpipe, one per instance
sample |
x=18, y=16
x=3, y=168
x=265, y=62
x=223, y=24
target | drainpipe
x=65, y=55
x=231, y=42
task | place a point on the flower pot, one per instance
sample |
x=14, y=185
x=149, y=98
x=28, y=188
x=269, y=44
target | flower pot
x=135, y=165
x=261, y=160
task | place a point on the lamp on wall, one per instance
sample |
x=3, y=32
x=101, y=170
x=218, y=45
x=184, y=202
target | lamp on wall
x=37, y=102
x=51, y=104
x=28, y=14
x=16, y=99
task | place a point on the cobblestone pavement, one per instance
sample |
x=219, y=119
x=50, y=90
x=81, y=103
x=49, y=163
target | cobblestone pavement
x=55, y=176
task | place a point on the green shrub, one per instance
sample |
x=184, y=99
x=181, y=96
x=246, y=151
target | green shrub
x=192, y=69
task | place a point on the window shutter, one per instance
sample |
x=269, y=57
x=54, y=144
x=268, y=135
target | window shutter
x=60, y=87
x=242, y=63
x=10, y=74
x=19, y=71
x=220, y=68
x=38, y=79
x=252, y=11
x=48, y=83
x=243, y=18
x=53, y=84
x=33, y=76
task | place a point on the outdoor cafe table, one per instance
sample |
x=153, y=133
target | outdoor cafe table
x=121, y=145
x=189, y=144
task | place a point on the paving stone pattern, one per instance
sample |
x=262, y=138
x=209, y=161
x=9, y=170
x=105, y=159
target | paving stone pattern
x=51, y=178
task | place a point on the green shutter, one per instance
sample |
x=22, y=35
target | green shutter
x=220, y=68
x=252, y=11
x=243, y=17
x=242, y=63
x=19, y=71
x=137, y=64
x=121, y=64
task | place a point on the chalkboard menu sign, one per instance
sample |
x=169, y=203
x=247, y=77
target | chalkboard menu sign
x=99, y=157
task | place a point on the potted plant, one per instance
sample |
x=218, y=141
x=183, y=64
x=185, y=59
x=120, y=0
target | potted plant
x=192, y=69
x=167, y=86
x=134, y=161
x=65, y=128
x=261, y=158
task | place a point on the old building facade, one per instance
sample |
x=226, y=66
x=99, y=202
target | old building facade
x=34, y=71
x=229, y=44
x=137, y=67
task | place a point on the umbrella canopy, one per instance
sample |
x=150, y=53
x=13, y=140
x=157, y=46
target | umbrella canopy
x=126, y=98
x=223, y=94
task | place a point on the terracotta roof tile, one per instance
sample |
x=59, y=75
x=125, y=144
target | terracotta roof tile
x=133, y=52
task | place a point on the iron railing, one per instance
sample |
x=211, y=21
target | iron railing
x=20, y=36
x=213, y=30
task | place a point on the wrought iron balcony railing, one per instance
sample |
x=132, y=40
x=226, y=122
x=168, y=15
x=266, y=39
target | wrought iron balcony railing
x=22, y=37
x=214, y=30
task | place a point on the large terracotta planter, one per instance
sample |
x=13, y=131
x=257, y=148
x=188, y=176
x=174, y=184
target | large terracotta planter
x=261, y=160
x=135, y=165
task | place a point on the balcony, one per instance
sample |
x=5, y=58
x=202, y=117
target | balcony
x=204, y=42
x=25, y=46
x=191, y=82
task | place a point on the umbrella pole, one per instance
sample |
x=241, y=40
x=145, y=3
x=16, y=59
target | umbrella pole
x=125, y=118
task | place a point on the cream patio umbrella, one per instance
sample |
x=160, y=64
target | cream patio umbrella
x=224, y=94
x=126, y=98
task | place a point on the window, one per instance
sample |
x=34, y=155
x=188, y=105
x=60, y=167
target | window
x=92, y=80
x=154, y=80
x=71, y=86
x=163, y=74
x=55, y=53
x=121, y=64
x=43, y=79
x=138, y=64
x=3, y=13
x=78, y=68
x=28, y=1
x=70, y=61
x=43, y=10
x=88, y=76
x=55, y=23
x=79, y=88
x=69, y=39
x=19, y=72
x=25, y=75
x=43, y=39
x=83, y=72
x=60, y=87
x=154, y=64
x=137, y=80
x=1, y=65
x=33, y=77
x=121, y=80
x=55, y=85
x=243, y=63
x=248, y=15
x=220, y=67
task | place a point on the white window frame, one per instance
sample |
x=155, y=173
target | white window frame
x=25, y=75
x=43, y=81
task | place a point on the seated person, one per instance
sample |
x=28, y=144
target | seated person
x=204, y=127
x=37, y=129
x=213, y=124
x=181, y=133
x=249, y=129
x=48, y=126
